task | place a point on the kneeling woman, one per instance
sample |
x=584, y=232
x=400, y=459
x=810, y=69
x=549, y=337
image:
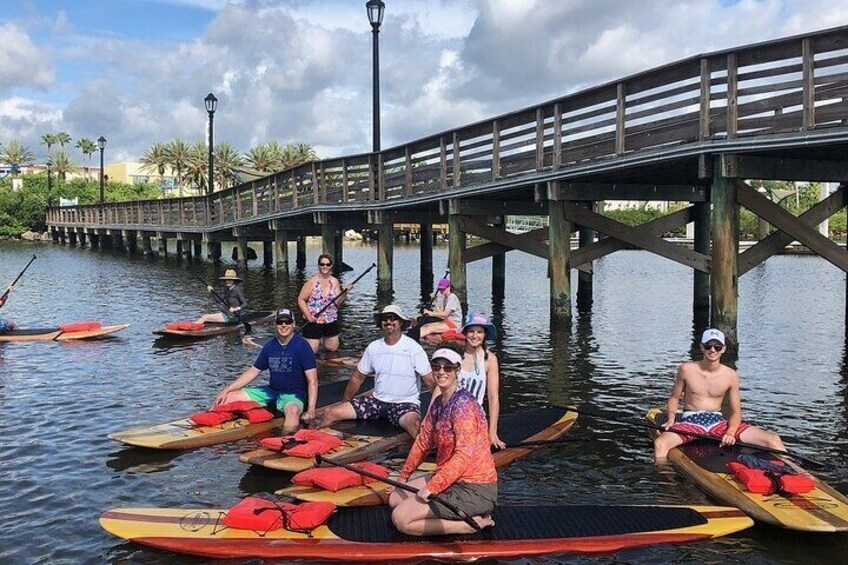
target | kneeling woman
x=465, y=471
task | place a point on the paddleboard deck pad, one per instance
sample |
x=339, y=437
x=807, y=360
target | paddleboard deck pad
x=538, y=424
x=367, y=534
x=218, y=328
x=185, y=434
x=55, y=334
x=704, y=462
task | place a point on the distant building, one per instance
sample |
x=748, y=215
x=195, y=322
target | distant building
x=129, y=172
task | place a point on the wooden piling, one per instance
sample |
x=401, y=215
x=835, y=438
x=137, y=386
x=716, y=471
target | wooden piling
x=499, y=266
x=724, y=281
x=559, y=249
x=178, y=244
x=267, y=253
x=328, y=240
x=242, y=251
x=300, y=259
x=701, y=244
x=385, y=256
x=338, y=255
x=585, y=280
x=426, y=254
x=456, y=257
x=281, y=249
x=198, y=248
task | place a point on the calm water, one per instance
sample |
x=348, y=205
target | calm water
x=58, y=471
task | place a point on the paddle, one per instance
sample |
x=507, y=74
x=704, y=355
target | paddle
x=242, y=321
x=403, y=486
x=544, y=442
x=14, y=282
x=634, y=423
x=342, y=293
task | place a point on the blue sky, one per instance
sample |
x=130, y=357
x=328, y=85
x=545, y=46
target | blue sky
x=136, y=71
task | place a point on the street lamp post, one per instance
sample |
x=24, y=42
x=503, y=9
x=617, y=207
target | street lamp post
x=211, y=106
x=375, y=9
x=49, y=186
x=101, y=143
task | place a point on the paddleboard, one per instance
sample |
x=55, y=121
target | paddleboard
x=185, y=434
x=215, y=328
x=55, y=334
x=367, y=534
x=704, y=462
x=349, y=361
x=535, y=424
x=362, y=439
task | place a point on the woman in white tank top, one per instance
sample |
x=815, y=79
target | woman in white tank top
x=479, y=373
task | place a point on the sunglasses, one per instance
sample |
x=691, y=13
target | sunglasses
x=446, y=367
x=714, y=346
x=389, y=318
x=284, y=322
x=325, y=264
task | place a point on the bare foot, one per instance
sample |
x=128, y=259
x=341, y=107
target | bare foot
x=315, y=423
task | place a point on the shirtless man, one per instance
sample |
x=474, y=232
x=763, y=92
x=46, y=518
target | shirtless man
x=705, y=383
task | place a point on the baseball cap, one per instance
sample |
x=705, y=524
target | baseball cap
x=712, y=334
x=443, y=284
x=284, y=314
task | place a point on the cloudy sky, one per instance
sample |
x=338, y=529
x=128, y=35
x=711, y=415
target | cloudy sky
x=299, y=71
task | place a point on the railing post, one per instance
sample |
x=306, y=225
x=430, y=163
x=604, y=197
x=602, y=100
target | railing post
x=704, y=113
x=443, y=163
x=732, y=95
x=557, y=157
x=372, y=178
x=620, y=117
x=316, y=189
x=345, y=180
x=294, y=190
x=808, y=72
x=457, y=164
x=540, y=138
x=407, y=177
x=496, y=150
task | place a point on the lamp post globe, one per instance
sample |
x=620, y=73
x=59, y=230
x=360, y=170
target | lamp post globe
x=375, y=10
x=211, y=105
x=101, y=143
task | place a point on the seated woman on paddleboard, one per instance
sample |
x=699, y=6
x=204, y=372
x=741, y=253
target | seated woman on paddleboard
x=233, y=295
x=322, y=293
x=465, y=471
x=704, y=385
x=479, y=373
x=6, y=325
x=446, y=307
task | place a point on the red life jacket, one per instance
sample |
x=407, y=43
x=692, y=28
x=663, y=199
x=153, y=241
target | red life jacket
x=263, y=515
x=334, y=479
x=184, y=326
x=304, y=443
x=453, y=335
x=760, y=482
x=79, y=327
x=225, y=412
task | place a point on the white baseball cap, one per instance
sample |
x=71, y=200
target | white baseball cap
x=449, y=354
x=712, y=334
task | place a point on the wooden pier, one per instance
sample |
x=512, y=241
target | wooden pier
x=693, y=131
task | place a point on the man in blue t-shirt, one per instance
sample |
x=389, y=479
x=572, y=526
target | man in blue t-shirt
x=293, y=387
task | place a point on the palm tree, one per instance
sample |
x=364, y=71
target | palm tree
x=179, y=154
x=156, y=159
x=260, y=158
x=87, y=147
x=61, y=163
x=294, y=155
x=197, y=166
x=227, y=162
x=48, y=139
x=16, y=154
x=62, y=138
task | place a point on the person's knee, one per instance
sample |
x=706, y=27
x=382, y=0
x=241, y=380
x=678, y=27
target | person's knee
x=399, y=520
x=774, y=441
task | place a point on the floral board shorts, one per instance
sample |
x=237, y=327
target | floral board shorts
x=369, y=408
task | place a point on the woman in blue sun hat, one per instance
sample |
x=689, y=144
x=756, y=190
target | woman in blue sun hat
x=479, y=373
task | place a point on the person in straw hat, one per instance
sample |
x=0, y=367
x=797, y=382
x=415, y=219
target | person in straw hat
x=233, y=295
x=398, y=363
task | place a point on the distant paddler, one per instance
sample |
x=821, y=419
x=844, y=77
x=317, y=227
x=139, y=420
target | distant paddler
x=704, y=385
x=8, y=325
x=293, y=386
x=233, y=296
x=445, y=314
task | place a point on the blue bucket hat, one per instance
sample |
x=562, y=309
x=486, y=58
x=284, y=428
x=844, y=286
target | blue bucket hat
x=480, y=320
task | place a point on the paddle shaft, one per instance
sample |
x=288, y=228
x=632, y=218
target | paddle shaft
x=403, y=486
x=14, y=282
x=651, y=425
x=247, y=328
x=342, y=293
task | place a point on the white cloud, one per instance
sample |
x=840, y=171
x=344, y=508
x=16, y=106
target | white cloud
x=21, y=62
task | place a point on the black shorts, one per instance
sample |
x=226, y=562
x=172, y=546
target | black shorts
x=317, y=331
x=472, y=498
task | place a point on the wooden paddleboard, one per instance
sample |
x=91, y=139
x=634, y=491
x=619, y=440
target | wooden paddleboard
x=214, y=328
x=362, y=439
x=349, y=361
x=55, y=334
x=529, y=425
x=367, y=534
x=185, y=434
x=704, y=462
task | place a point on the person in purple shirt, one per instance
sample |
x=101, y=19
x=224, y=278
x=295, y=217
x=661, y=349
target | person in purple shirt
x=293, y=387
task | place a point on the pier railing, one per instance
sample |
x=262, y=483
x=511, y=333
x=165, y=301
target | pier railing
x=793, y=85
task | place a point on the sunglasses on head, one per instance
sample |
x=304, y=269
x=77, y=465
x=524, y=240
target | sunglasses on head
x=713, y=346
x=325, y=264
x=389, y=318
x=442, y=367
x=284, y=322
